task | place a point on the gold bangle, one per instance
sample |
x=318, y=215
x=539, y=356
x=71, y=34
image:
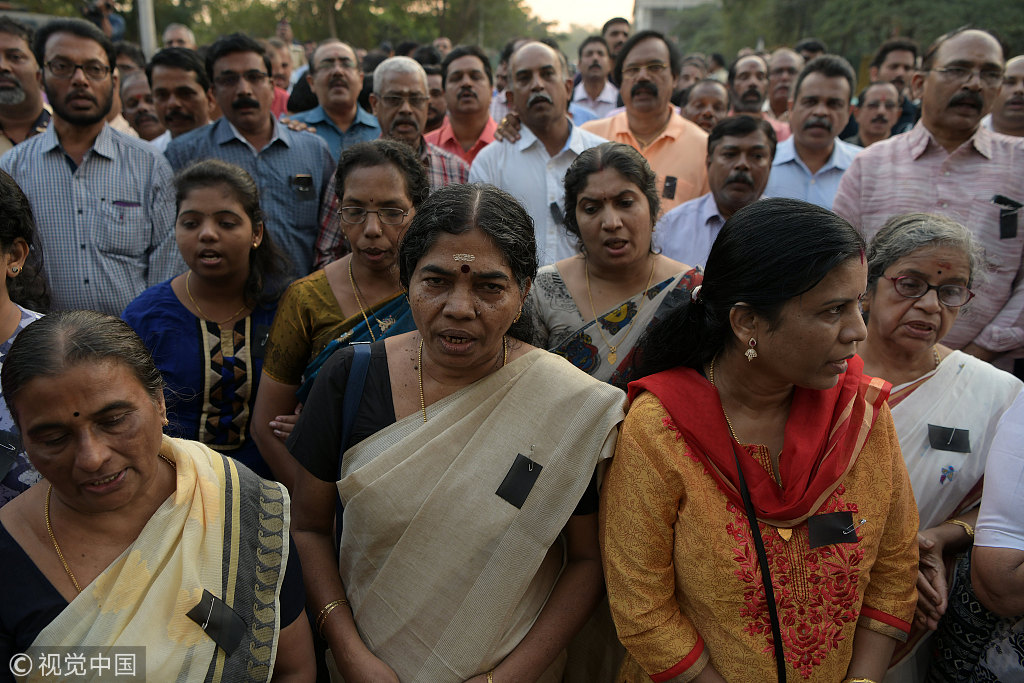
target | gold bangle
x=321, y=618
x=490, y=676
x=858, y=680
x=962, y=524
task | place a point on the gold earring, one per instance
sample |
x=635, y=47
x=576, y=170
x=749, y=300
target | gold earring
x=518, y=315
x=750, y=353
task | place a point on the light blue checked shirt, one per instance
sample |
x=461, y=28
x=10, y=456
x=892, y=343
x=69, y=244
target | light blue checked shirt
x=291, y=172
x=106, y=228
x=364, y=127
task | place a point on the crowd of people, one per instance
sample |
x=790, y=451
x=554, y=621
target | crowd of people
x=321, y=363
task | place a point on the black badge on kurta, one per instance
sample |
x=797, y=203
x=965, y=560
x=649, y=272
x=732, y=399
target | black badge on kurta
x=219, y=621
x=519, y=481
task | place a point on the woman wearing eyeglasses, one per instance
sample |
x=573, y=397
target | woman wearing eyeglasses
x=355, y=299
x=945, y=403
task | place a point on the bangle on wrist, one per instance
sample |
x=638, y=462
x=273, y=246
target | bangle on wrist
x=963, y=525
x=321, y=618
x=858, y=680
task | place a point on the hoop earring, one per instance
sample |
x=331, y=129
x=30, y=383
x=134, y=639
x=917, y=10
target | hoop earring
x=750, y=353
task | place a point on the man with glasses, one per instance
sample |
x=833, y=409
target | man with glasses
x=783, y=67
x=291, y=169
x=876, y=111
x=399, y=101
x=103, y=201
x=950, y=164
x=336, y=79
x=646, y=71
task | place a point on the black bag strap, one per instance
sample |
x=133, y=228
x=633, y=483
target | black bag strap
x=349, y=408
x=766, y=579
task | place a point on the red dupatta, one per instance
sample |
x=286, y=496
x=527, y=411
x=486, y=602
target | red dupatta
x=824, y=435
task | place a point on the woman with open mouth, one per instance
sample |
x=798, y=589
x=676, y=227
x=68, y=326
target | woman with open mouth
x=592, y=308
x=207, y=328
x=457, y=465
x=356, y=299
x=945, y=404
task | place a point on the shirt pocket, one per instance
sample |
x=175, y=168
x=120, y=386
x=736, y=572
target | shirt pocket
x=121, y=228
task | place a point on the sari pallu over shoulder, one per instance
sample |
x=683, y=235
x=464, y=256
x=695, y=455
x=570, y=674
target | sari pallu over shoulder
x=444, y=575
x=224, y=530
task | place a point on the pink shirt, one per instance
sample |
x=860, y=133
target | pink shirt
x=912, y=172
x=444, y=137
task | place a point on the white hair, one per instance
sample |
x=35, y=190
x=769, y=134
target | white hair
x=398, y=65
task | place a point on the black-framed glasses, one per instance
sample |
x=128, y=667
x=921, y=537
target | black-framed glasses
x=387, y=215
x=653, y=68
x=913, y=287
x=415, y=100
x=230, y=79
x=990, y=78
x=65, y=68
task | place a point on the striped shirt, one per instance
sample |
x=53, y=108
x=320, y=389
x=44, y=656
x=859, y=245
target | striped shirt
x=912, y=172
x=106, y=227
x=443, y=168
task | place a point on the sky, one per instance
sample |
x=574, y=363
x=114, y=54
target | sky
x=567, y=12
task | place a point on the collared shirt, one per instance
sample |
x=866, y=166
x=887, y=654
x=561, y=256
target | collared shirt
x=121, y=125
x=499, y=105
x=678, y=154
x=364, y=127
x=106, y=226
x=779, y=127
x=791, y=178
x=525, y=170
x=37, y=127
x=444, y=137
x=442, y=169
x=603, y=104
x=291, y=172
x=687, y=232
x=161, y=141
x=913, y=172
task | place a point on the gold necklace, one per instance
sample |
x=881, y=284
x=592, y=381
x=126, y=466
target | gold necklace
x=419, y=365
x=355, y=291
x=612, y=355
x=784, y=533
x=188, y=290
x=53, y=539
x=935, y=355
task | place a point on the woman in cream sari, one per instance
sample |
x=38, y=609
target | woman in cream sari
x=468, y=537
x=593, y=308
x=945, y=403
x=136, y=543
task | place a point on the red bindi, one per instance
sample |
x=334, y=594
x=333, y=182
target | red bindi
x=465, y=268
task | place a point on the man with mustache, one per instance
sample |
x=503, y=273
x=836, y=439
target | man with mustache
x=181, y=92
x=103, y=201
x=783, y=67
x=1008, y=110
x=876, y=111
x=437, y=107
x=740, y=152
x=337, y=79
x=595, y=91
x=139, y=108
x=748, y=85
x=895, y=62
x=809, y=165
x=22, y=113
x=950, y=164
x=467, y=81
x=399, y=101
x=706, y=103
x=532, y=169
x=290, y=168
x=646, y=71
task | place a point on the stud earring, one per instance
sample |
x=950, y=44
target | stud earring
x=15, y=270
x=750, y=353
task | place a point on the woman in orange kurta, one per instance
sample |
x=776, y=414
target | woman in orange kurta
x=758, y=375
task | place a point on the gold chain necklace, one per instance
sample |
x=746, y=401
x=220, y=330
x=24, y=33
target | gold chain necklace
x=188, y=290
x=53, y=539
x=784, y=533
x=419, y=365
x=612, y=355
x=935, y=355
x=355, y=291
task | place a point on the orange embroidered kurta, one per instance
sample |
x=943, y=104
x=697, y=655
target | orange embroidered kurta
x=682, y=572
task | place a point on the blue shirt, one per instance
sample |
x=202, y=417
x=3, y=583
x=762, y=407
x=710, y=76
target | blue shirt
x=291, y=172
x=687, y=232
x=364, y=127
x=106, y=226
x=791, y=178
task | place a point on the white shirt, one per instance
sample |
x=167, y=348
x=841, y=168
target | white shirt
x=525, y=170
x=603, y=104
x=687, y=232
x=160, y=141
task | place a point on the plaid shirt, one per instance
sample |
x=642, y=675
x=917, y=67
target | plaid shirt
x=106, y=227
x=443, y=168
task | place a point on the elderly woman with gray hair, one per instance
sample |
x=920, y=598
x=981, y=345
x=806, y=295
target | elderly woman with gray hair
x=945, y=403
